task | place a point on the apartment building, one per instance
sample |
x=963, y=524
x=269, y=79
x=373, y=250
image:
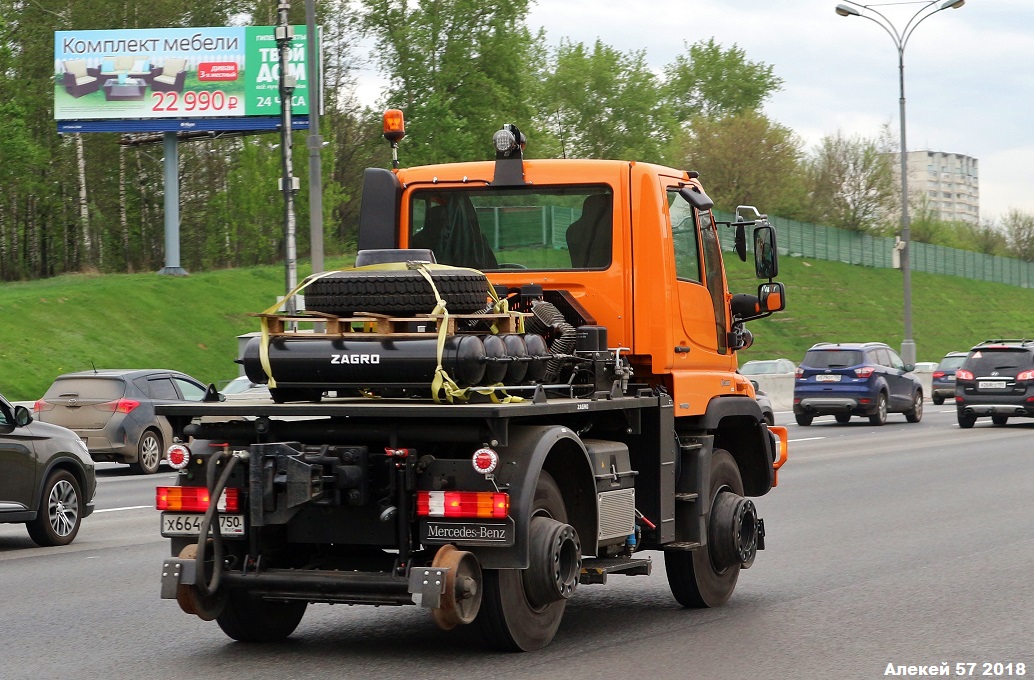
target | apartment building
x=950, y=182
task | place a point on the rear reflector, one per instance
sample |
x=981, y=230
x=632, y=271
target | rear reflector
x=194, y=499
x=489, y=504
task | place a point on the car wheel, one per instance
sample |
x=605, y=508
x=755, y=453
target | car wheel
x=149, y=454
x=842, y=417
x=938, y=400
x=967, y=420
x=769, y=419
x=880, y=416
x=915, y=414
x=803, y=419
x=999, y=420
x=60, y=511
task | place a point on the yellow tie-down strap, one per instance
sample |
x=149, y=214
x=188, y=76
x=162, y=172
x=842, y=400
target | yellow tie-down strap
x=441, y=381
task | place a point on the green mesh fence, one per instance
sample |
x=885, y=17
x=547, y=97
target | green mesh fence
x=803, y=239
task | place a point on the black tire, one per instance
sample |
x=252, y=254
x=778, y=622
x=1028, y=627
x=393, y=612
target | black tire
x=769, y=419
x=967, y=420
x=915, y=414
x=937, y=400
x=506, y=619
x=999, y=420
x=803, y=419
x=880, y=416
x=60, y=511
x=250, y=619
x=692, y=576
x=397, y=292
x=149, y=453
x=842, y=417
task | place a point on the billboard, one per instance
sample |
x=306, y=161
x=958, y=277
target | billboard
x=185, y=74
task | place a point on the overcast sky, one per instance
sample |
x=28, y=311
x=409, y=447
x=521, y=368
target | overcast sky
x=969, y=72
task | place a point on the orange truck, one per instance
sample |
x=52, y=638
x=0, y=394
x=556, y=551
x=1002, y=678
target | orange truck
x=526, y=385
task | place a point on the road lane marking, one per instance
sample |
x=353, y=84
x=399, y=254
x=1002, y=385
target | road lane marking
x=130, y=507
x=806, y=439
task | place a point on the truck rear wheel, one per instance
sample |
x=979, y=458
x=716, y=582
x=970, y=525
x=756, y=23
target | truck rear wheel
x=693, y=576
x=250, y=619
x=508, y=619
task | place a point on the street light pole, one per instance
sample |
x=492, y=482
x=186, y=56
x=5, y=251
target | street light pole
x=900, y=38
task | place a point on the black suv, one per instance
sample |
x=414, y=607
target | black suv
x=47, y=479
x=855, y=379
x=997, y=380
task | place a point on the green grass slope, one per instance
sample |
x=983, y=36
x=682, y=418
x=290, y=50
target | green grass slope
x=71, y=323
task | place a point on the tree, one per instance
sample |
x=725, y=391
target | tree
x=851, y=184
x=608, y=104
x=457, y=68
x=1019, y=234
x=746, y=158
x=712, y=82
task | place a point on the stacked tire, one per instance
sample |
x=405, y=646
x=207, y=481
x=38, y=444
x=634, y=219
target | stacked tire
x=401, y=293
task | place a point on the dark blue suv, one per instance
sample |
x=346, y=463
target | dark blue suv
x=855, y=379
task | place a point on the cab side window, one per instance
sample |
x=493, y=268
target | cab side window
x=684, y=236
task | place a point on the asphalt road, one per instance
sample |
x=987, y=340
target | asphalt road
x=907, y=544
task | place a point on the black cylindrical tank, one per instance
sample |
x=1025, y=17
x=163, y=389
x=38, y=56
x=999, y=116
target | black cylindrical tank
x=366, y=361
x=591, y=339
x=538, y=351
x=495, y=363
x=517, y=350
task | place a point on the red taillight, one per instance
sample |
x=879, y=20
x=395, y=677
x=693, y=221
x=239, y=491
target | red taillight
x=1025, y=375
x=864, y=371
x=799, y=373
x=938, y=374
x=120, y=406
x=488, y=504
x=194, y=499
x=40, y=406
x=963, y=374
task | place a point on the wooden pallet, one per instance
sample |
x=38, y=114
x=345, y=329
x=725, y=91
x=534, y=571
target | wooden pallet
x=383, y=324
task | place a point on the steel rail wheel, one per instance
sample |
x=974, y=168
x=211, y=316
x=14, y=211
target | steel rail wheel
x=695, y=577
x=508, y=619
x=461, y=598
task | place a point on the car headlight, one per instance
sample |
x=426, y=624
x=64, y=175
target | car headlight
x=81, y=443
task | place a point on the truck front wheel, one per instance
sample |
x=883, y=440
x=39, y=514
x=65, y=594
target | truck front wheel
x=250, y=619
x=693, y=576
x=509, y=619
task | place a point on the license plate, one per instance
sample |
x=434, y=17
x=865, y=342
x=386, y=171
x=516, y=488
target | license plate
x=991, y=385
x=175, y=524
x=828, y=378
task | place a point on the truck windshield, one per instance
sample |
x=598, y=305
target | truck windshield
x=540, y=228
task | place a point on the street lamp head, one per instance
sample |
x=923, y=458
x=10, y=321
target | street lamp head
x=847, y=11
x=952, y=4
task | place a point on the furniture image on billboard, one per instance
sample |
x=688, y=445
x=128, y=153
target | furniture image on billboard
x=132, y=66
x=172, y=77
x=132, y=90
x=77, y=80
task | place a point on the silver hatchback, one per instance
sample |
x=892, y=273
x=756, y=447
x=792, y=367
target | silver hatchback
x=112, y=410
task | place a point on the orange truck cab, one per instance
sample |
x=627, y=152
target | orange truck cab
x=528, y=378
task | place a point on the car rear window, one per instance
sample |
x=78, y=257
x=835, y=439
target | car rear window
x=107, y=389
x=950, y=363
x=985, y=361
x=832, y=358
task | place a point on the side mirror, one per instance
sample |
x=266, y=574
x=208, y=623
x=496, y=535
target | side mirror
x=22, y=416
x=772, y=297
x=908, y=368
x=696, y=198
x=766, y=261
x=740, y=244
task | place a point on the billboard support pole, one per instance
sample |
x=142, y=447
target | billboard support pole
x=171, y=176
x=288, y=182
x=314, y=74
